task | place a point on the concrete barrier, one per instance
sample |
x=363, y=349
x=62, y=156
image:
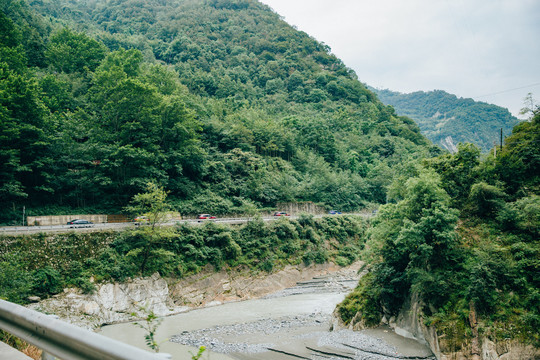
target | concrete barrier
x=9, y=353
x=63, y=219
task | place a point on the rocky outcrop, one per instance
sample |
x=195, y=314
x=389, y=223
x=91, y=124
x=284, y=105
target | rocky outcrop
x=111, y=303
x=503, y=350
x=210, y=288
x=410, y=323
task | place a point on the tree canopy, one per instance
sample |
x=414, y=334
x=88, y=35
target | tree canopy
x=222, y=104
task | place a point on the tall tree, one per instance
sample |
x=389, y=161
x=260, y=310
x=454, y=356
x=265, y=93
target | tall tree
x=69, y=52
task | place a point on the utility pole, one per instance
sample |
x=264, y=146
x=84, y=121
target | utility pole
x=501, y=139
x=23, y=211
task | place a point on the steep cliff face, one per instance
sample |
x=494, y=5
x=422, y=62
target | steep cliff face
x=113, y=302
x=410, y=323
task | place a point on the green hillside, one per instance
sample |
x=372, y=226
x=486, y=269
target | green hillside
x=462, y=234
x=220, y=102
x=448, y=120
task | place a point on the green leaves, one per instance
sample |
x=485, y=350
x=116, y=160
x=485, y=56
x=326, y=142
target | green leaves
x=69, y=52
x=150, y=326
x=415, y=242
x=152, y=203
x=24, y=131
x=518, y=164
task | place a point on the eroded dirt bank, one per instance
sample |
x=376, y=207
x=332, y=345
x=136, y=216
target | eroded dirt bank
x=116, y=302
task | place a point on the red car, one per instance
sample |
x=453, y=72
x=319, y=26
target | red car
x=281, y=213
x=205, y=217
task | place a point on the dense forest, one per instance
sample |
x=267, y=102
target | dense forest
x=461, y=233
x=222, y=103
x=448, y=120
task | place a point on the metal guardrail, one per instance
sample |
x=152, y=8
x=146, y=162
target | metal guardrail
x=66, y=341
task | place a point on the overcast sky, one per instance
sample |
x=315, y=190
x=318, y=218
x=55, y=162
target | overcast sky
x=488, y=50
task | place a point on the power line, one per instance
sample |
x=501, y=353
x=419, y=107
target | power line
x=507, y=90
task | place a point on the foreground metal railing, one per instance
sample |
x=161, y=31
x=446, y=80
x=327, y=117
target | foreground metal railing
x=63, y=340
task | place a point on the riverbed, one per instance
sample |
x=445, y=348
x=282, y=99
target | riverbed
x=293, y=323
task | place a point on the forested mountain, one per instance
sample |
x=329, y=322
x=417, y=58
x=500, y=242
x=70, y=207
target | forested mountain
x=448, y=120
x=221, y=102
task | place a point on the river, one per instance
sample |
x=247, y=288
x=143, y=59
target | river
x=293, y=323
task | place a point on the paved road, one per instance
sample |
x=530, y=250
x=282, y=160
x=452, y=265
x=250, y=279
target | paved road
x=19, y=230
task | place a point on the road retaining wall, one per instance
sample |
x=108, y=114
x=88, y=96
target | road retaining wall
x=63, y=219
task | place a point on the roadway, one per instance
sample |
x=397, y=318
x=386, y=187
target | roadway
x=18, y=230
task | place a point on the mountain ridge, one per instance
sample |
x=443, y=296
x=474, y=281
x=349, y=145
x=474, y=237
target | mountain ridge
x=441, y=115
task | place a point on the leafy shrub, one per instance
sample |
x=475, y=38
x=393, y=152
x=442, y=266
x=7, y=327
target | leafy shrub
x=46, y=281
x=349, y=254
x=306, y=220
x=215, y=257
x=233, y=251
x=528, y=214
x=209, y=202
x=364, y=301
x=290, y=246
x=267, y=264
x=485, y=200
x=309, y=233
x=15, y=282
x=320, y=256
x=162, y=261
x=284, y=230
x=112, y=265
x=86, y=286
x=342, y=261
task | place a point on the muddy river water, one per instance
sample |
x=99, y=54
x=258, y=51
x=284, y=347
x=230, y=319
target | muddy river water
x=292, y=324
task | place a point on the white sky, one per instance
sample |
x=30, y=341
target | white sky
x=488, y=50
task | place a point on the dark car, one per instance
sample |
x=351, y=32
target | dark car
x=201, y=217
x=80, y=223
x=334, y=212
x=281, y=213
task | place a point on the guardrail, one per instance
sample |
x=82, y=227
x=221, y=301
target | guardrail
x=66, y=341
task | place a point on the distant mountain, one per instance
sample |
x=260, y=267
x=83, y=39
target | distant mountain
x=448, y=120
